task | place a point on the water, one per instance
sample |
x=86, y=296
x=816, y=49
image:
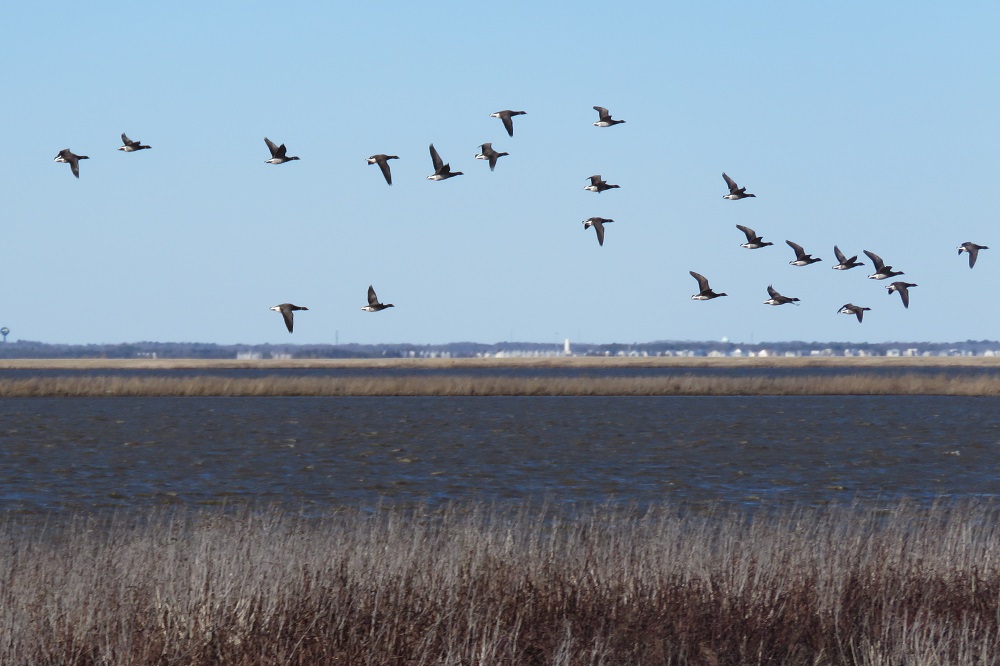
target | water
x=64, y=455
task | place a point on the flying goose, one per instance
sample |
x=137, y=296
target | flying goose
x=131, y=146
x=486, y=152
x=801, y=258
x=277, y=153
x=382, y=161
x=754, y=242
x=598, y=185
x=604, y=119
x=778, y=299
x=851, y=309
x=973, y=251
x=845, y=263
x=65, y=156
x=442, y=171
x=598, y=224
x=902, y=288
x=735, y=191
x=373, y=304
x=705, y=292
x=286, y=310
x=881, y=270
x=506, y=116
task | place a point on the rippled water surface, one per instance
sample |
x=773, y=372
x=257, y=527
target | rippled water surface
x=70, y=454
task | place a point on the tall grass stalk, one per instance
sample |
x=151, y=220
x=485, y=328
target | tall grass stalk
x=484, y=585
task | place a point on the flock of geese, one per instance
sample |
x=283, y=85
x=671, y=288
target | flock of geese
x=442, y=171
x=802, y=258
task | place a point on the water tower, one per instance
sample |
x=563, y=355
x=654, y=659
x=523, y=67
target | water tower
x=4, y=332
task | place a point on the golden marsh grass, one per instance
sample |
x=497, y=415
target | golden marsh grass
x=865, y=377
x=205, y=386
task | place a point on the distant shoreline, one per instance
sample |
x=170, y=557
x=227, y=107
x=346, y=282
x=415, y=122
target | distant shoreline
x=90, y=378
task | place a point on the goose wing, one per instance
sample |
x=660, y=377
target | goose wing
x=904, y=293
x=288, y=316
x=799, y=252
x=599, y=228
x=276, y=150
x=750, y=233
x=876, y=260
x=508, y=123
x=74, y=163
x=383, y=164
x=436, y=159
x=733, y=187
x=702, y=281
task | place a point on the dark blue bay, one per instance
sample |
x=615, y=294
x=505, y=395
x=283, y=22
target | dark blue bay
x=315, y=453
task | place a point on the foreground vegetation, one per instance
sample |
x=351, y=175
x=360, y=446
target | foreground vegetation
x=903, y=585
x=860, y=383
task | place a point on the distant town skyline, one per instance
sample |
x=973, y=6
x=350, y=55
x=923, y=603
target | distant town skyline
x=511, y=349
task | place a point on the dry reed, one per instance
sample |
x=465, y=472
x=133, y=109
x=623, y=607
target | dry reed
x=861, y=383
x=480, y=585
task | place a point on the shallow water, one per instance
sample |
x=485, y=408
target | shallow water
x=86, y=454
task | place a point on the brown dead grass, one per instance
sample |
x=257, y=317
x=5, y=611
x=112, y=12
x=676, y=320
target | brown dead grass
x=484, y=586
x=861, y=383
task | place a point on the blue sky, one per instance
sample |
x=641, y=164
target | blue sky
x=857, y=125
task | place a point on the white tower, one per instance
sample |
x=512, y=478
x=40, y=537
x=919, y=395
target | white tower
x=566, y=349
